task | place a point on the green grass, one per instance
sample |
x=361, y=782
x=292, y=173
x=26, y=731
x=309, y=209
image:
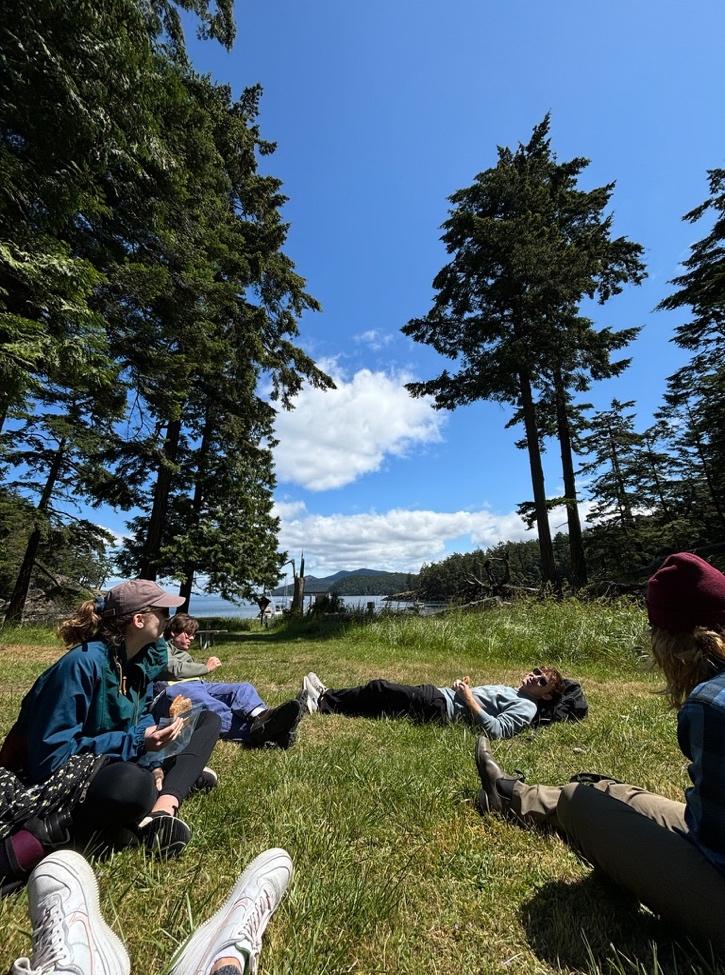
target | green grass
x=396, y=871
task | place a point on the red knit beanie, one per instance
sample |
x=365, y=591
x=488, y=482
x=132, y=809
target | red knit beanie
x=686, y=592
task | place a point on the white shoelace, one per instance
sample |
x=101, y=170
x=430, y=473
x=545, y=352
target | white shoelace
x=49, y=946
x=248, y=940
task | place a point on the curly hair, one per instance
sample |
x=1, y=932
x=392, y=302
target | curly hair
x=552, y=674
x=688, y=659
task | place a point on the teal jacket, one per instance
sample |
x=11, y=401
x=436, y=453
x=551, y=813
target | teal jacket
x=91, y=700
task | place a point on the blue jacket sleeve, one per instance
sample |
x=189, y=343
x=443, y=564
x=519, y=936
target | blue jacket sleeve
x=53, y=724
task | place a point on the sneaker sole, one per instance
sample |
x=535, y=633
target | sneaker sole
x=106, y=941
x=198, y=952
x=166, y=837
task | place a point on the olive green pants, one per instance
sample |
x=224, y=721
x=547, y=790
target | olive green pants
x=638, y=839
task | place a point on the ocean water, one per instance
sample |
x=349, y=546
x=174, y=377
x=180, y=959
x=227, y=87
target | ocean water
x=202, y=606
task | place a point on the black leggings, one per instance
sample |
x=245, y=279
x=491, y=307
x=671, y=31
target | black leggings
x=122, y=793
x=381, y=698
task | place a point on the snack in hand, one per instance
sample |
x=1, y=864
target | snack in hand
x=180, y=705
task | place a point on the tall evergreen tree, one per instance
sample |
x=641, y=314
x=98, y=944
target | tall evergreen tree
x=696, y=393
x=527, y=246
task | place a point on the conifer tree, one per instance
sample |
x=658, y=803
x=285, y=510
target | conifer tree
x=527, y=246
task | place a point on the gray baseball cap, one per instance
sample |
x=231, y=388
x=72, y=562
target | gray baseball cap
x=130, y=597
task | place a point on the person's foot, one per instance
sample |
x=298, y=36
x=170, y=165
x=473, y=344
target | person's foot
x=166, y=836
x=235, y=931
x=313, y=688
x=274, y=725
x=51, y=831
x=208, y=780
x=69, y=933
x=496, y=786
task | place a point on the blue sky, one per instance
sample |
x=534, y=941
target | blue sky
x=382, y=109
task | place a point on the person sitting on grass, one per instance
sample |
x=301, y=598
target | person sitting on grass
x=669, y=855
x=243, y=714
x=500, y=711
x=94, y=701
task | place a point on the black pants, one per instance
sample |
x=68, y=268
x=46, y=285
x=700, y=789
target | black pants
x=122, y=793
x=382, y=699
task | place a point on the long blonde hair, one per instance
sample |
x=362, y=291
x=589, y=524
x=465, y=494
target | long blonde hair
x=688, y=659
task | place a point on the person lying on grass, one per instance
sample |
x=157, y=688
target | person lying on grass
x=669, y=855
x=243, y=714
x=500, y=711
x=94, y=701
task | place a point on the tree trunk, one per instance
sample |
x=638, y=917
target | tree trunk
x=196, y=505
x=714, y=494
x=546, y=549
x=14, y=611
x=625, y=509
x=159, y=507
x=576, y=546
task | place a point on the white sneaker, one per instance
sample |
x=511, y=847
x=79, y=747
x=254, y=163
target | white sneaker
x=238, y=925
x=69, y=934
x=314, y=689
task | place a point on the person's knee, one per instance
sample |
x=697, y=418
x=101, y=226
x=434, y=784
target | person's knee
x=122, y=792
x=210, y=722
x=570, y=808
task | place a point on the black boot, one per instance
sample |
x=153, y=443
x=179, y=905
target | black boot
x=496, y=786
x=276, y=726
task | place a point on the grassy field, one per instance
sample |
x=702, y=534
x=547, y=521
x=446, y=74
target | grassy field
x=396, y=872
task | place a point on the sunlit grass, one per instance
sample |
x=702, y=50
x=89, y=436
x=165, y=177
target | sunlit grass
x=396, y=871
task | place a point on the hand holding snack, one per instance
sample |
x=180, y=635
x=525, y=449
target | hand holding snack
x=180, y=705
x=157, y=738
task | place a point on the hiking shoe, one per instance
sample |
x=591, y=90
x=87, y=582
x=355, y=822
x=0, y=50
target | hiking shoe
x=288, y=738
x=237, y=927
x=208, y=780
x=313, y=688
x=165, y=835
x=69, y=933
x=496, y=786
x=275, y=724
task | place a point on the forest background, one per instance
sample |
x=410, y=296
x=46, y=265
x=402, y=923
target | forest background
x=149, y=323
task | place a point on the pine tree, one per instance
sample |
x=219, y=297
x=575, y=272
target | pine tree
x=527, y=246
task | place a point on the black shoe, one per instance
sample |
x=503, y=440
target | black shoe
x=166, y=836
x=276, y=726
x=496, y=786
x=52, y=831
x=208, y=780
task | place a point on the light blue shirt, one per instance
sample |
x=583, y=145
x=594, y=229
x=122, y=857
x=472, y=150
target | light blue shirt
x=504, y=712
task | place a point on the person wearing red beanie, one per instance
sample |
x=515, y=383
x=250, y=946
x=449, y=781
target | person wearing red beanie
x=670, y=855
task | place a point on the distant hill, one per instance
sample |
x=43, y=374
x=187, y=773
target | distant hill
x=358, y=582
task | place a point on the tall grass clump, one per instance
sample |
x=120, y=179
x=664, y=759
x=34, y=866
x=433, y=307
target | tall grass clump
x=565, y=633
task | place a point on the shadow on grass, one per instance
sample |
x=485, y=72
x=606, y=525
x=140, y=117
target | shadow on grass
x=595, y=927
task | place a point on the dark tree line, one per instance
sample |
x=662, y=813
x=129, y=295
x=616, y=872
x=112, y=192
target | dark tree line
x=527, y=245
x=145, y=295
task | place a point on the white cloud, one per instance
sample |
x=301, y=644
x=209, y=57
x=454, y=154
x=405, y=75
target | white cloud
x=399, y=540
x=334, y=437
x=373, y=337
